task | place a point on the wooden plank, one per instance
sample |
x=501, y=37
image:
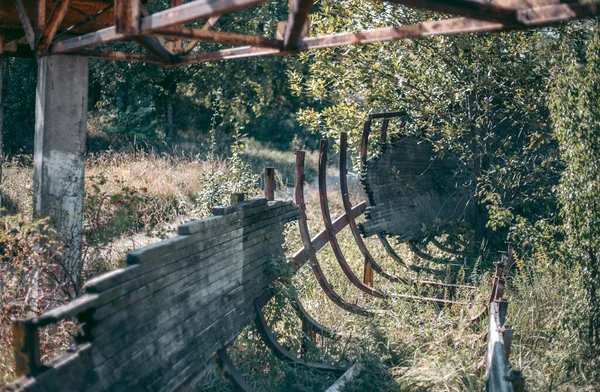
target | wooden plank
x=169, y=344
x=127, y=16
x=297, y=20
x=26, y=24
x=49, y=31
x=217, y=37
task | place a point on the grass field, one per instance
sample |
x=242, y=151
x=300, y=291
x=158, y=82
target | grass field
x=136, y=198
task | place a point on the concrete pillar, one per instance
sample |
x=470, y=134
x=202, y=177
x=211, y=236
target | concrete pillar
x=59, y=152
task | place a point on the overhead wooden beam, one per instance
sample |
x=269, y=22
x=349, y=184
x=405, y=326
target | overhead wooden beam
x=194, y=10
x=468, y=8
x=438, y=27
x=217, y=37
x=551, y=14
x=127, y=17
x=297, y=20
x=184, y=13
x=117, y=56
x=26, y=23
x=49, y=32
x=99, y=37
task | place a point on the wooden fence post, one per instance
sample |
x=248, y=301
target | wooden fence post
x=270, y=183
x=26, y=347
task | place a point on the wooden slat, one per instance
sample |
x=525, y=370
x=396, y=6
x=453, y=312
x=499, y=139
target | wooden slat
x=49, y=32
x=217, y=37
x=26, y=23
x=298, y=17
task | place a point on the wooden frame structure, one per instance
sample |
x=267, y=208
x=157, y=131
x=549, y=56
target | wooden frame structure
x=40, y=27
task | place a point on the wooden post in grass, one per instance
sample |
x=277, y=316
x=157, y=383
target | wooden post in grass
x=270, y=183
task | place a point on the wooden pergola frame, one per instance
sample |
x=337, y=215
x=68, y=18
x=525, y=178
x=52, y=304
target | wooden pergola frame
x=132, y=22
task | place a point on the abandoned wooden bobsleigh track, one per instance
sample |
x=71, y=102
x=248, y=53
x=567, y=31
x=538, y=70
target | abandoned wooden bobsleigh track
x=156, y=323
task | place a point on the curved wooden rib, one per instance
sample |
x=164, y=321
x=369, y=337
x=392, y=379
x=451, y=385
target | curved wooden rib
x=231, y=373
x=309, y=248
x=313, y=324
x=351, y=221
x=335, y=246
x=281, y=352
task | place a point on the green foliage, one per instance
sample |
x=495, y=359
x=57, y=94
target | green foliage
x=219, y=184
x=575, y=108
x=476, y=97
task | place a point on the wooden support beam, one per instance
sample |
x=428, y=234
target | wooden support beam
x=172, y=17
x=217, y=37
x=49, y=32
x=127, y=16
x=26, y=23
x=297, y=20
x=479, y=10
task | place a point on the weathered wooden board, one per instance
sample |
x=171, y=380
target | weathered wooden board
x=154, y=324
x=412, y=192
